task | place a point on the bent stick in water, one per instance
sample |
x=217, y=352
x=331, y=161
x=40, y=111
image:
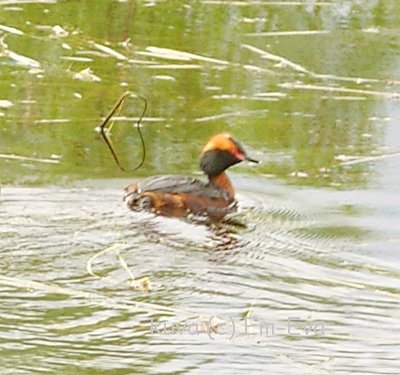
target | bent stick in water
x=106, y=131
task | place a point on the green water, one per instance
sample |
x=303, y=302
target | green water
x=310, y=88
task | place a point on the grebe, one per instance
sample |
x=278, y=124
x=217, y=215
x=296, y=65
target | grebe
x=180, y=196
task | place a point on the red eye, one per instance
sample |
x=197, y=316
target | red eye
x=238, y=154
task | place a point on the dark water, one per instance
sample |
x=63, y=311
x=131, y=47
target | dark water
x=311, y=88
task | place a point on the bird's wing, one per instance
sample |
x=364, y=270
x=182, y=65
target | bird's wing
x=179, y=185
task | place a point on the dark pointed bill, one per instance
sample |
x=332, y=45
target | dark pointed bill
x=251, y=160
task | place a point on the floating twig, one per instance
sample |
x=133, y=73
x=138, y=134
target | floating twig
x=290, y=85
x=102, y=252
x=366, y=159
x=106, y=131
x=229, y=115
x=290, y=33
x=278, y=59
x=99, y=299
x=301, y=69
x=172, y=54
x=269, y=3
x=143, y=283
x=53, y=121
x=136, y=119
x=249, y=313
x=11, y=30
x=17, y=58
x=109, y=51
x=27, y=158
x=172, y=66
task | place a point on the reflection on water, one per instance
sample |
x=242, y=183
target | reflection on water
x=304, y=101
x=311, y=88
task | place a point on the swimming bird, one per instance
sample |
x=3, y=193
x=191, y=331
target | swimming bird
x=179, y=196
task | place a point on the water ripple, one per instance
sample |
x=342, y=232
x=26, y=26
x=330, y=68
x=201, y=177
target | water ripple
x=271, y=268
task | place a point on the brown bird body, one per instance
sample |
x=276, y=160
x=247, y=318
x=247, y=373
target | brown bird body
x=180, y=195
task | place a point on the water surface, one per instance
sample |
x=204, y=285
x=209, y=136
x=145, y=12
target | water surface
x=311, y=88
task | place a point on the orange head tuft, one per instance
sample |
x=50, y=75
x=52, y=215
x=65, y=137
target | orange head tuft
x=224, y=142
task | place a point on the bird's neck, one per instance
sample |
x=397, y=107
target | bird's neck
x=223, y=182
